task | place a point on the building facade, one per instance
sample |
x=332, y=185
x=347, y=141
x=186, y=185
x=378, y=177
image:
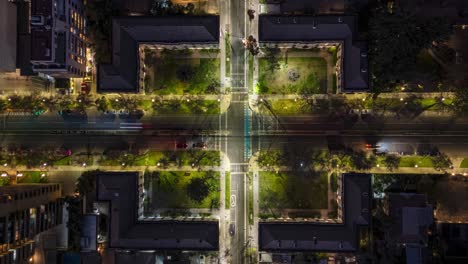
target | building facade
x=58, y=38
x=25, y=211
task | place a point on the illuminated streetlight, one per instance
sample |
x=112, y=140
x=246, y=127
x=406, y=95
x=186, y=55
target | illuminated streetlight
x=43, y=175
x=415, y=165
x=84, y=164
x=4, y=174
x=19, y=175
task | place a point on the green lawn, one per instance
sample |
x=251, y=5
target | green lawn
x=181, y=72
x=411, y=161
x=421, y=161
x=184, y=107
x=32, y=177
x=312, y=76
x=63, y=161
x=250, y=199
x=294, y=107
x=287, y=191
x=227, y=184
x=153, y=157
x=170, y=190
x=464, y=163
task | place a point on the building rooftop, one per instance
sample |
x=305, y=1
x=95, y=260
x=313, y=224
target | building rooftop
x=128, y=32
x=306, y=29
x=120, y=189
x=411, y=216
x=295, y=236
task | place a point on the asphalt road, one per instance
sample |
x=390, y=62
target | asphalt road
x=236, y=125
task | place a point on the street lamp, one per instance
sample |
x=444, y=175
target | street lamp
x=43, y=175
x=84, y=164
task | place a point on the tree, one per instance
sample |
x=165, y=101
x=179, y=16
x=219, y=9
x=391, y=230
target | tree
x=272, y=56
x=391, y=162
x=396, y=39
x=198, y=189
x=85, y=182
x=441, y=162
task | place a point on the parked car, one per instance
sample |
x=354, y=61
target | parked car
x=232, y=229
x=201, y=145
x=181, y=145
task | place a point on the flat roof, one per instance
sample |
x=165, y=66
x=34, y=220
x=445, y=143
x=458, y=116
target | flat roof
x=299, y=236
x=120, y=189
x=8, y=33
x=128, y=32
x=306, y=29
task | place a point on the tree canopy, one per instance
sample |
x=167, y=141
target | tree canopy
x=396, y=39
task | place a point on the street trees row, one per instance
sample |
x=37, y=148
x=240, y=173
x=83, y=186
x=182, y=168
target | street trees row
x=346, y=159
x=395, y=40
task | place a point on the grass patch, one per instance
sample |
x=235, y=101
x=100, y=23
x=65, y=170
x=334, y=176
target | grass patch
x=464, y=163
x=251, y=71
x=63, y=161
x=32, y=177
x=289, y=107
x=227, y=41
x=312, y=76
x=227, y=184
x=421, y=161
x=178, y=107
x=334, y=87
x=182, y=71
x=145, y=104
x=292, y=191
x=170, y=190
x=250, y=199
x=334, y=182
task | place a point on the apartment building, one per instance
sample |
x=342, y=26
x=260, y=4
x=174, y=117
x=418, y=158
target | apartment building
x=25, y=211
x=58, y=41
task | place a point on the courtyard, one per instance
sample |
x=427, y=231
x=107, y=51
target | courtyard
x=288, y=194
x=182, y=193
x=296, y=71
x=178, y=72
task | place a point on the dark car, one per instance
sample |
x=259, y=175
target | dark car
x=232, y=229
x=199, y=145
x=181, y=145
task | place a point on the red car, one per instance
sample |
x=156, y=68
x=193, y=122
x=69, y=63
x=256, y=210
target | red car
x=181, y=145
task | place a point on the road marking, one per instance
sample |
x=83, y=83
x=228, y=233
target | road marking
x=233, y=200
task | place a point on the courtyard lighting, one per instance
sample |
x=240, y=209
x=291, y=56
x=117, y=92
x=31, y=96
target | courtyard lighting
x=5, y=164
x=158, y=164
x=401, y=99
x=188, y=100
x=123, y=163
x=43, y=175
x=116, y=99
x=84, y=164
x=19, y=175
x=302, y=164
x=443, y=98
x=4, y=174
x=453, y=174
x=464, y=174
x=219, y=100
x=45, y=164
x=363, y=99
x=416, y=165
x=79, y=101
x=152, y=100
x=9, y=99
x=43, y=100
x=378, y=165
